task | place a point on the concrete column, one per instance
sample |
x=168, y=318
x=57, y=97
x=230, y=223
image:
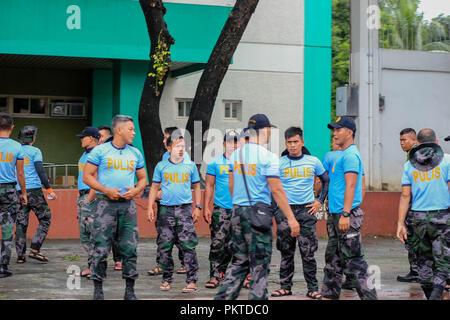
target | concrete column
x=365, y=72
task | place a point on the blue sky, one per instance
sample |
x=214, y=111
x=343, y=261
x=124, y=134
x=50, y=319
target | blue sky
x=432, y=8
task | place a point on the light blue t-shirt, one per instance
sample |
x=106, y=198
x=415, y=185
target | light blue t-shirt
x=30, y=156
x=166, y=156
x=81, y=165
x=219, y=167
x=350, y=161
x=330, y=158
x=116, y=167
x=176, y=180
x=429, y=188
x=297, y=177
x=259, y=164
x=10, y=152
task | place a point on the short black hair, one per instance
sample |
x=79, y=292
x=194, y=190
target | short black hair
x=105, y=128
x=426, y=135
x=408, y=131
x=120, y=118
x=292, y=132
x=6, y=121
x=170, y=140
x=170, y=130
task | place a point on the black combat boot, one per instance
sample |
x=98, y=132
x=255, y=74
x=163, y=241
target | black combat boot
x=129, y=290
x=410, y=277
x=436, y=293
x=4, y=272
x=98, y=290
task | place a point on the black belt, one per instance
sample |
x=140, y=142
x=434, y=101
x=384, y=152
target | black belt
x=300, y=206
x=177, y=206
x=83, y=192
x=103, y=196
x=432, y=211
x=8, y=184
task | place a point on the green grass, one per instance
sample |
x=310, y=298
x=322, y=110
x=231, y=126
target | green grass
x=3, y=296
x=72, y=258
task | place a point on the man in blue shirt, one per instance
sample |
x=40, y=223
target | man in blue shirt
x=344, y=249
x=158, y=270
x=255, y=179
x=426, y=180
x=116, y=164
x=298, y=172
x=89, y=139
x=219, y=220
x=35, y=177
x=11, y=162
x=174, y=177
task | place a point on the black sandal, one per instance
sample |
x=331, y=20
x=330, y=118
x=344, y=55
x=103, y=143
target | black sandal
x=38, y=256
x=281, y=293
x=21, y=259
x=155, y=271
x=313, y=296
x=212, y=284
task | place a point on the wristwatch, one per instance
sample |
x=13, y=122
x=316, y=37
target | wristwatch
x=199, y=206
x=345, y=214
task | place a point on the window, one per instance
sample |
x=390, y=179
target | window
x=44, y=107
x=232, y=110
x=184, y=108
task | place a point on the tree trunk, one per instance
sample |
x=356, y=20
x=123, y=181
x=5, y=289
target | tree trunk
x=149, y=121
x=216, y=68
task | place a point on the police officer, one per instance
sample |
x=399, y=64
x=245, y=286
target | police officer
x=255, y=177
x=158, y=270
x=426, y=179
x=219, y=220
x=176, y=217
x=105, y=134
x=344, y=249
x=35, y=177
x=298, y=172
x=89, y=139
x=11, y=162
x=116, y=163
x=408, y=140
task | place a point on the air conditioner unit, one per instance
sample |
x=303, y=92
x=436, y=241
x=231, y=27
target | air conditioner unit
x=68, y=109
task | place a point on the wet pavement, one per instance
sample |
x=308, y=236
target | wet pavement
x=55, y=279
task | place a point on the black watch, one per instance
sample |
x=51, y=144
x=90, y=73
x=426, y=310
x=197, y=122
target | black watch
x=345, y=214
x=199, y=206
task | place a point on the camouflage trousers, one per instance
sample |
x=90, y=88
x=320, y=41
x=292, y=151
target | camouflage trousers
x=307, y=244
x=176, y=223
x=220, y=251
x=37, y=204
x=344, y=254
x=158, y=240
x=111, y=217
x=8, y=212
x=412, y=257
x=86, y=215
x=252, y=251
x=431, y=242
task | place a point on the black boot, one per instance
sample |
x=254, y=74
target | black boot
x=436, y=293
x=410, y=277
x=98, y=290
x=129, y=290
x=4, y=272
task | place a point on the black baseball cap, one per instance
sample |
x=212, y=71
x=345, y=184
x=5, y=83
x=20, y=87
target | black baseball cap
x=259, y=121
x=343, y=122
x=90, y=132
x=447, y=139
x=231, y=135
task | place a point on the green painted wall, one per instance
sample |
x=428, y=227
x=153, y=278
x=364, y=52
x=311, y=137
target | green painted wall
x=106, y=29
x=317, y=79
x=102, y=97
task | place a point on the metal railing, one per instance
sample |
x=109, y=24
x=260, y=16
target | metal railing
x=52, y=171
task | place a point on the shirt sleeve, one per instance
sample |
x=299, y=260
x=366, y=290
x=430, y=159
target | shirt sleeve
x=325, y=163
x=195, y=175
x=141, y=162
x=94, y=157
x=157, y=178
x=406, y=181
x=211, y=170
x=38, y=156
x=20, y=154
x=271, y=167
x=319, y=169
x=351, y=163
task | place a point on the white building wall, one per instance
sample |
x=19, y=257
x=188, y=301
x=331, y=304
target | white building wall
x=416, y=86
x=266, y=74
